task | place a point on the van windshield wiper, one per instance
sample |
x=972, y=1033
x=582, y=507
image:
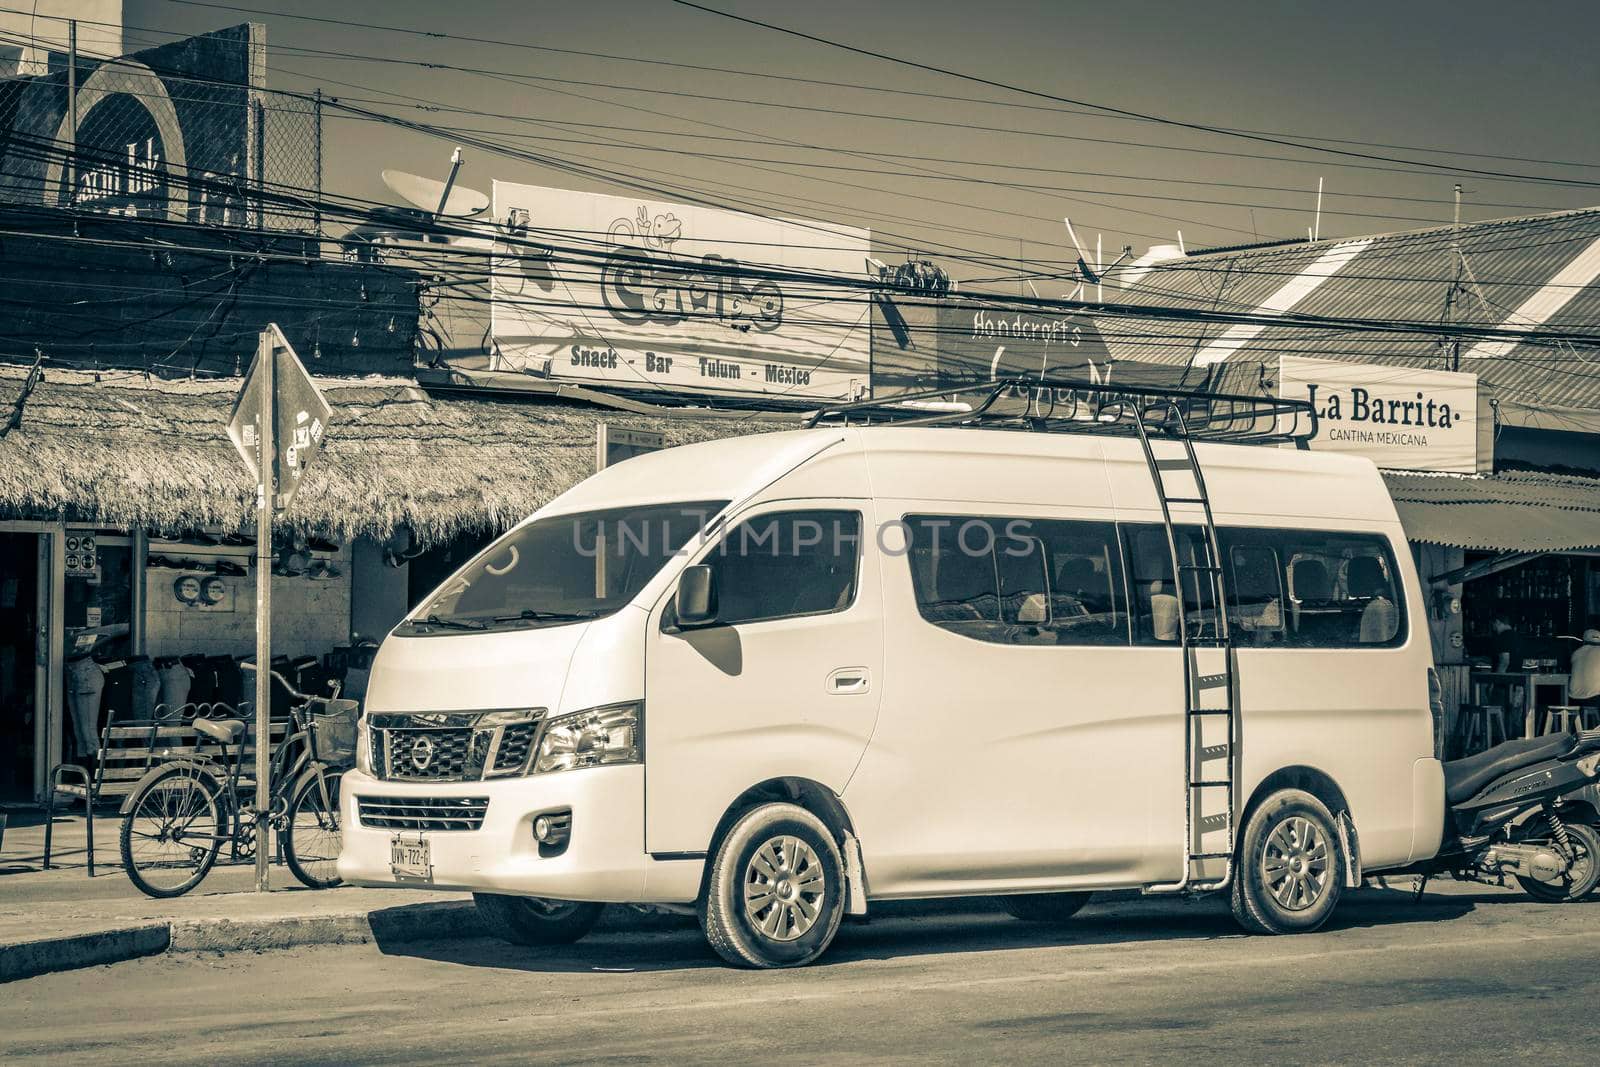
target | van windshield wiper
x=454, y=624
x=530, y=615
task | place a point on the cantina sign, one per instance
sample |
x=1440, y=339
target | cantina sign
x=1400, y=418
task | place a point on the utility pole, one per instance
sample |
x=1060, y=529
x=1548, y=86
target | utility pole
x=71, y=169
x=1455, y=286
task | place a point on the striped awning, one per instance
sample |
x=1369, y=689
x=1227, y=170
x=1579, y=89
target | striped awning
x=1514, y=511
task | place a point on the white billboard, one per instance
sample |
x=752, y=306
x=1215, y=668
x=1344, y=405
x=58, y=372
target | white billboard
x=679, y=298
x=1398, y=417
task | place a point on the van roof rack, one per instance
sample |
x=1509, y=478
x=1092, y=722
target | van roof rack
x=1060, y=405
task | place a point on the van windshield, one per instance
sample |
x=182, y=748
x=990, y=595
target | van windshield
x=562, y=569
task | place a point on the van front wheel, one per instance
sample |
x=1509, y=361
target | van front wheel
x=1290, y=872
x=534, y=920
x=775, y=893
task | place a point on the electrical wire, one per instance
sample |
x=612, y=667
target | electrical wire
x=1160, y=119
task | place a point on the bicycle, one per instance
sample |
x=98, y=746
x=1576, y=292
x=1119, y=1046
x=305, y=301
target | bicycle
x=177, y=822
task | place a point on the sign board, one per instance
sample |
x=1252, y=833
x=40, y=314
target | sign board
x=301, y=417
x=82, y=558
x=921, y=343
x=613, y=444
x=677, y=297
x=181, y=108
x=1401, y=418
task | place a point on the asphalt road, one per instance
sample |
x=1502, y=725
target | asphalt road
x=1465, y=977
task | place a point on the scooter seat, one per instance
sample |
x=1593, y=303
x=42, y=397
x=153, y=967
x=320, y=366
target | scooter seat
x=1464, y=777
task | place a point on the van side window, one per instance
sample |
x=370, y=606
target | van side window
x=1255, y=594
x=1312, y=589
x=787, y=564
x=1018, y=580
x=1154, y=588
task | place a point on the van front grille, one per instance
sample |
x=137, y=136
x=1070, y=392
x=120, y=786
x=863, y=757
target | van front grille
x=426, y=755
x=451, y=746
x=515, y=743
x=422, y=813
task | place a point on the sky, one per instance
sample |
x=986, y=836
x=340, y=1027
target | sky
x=1435, y=78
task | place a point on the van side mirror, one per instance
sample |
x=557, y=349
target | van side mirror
x=696, y=603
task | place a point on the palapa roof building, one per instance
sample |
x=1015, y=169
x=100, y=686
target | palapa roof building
x=122, y=450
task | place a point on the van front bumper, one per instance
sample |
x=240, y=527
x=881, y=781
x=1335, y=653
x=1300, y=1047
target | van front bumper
x=604, y=859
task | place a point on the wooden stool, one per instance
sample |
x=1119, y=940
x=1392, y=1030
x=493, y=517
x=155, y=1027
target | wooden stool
x=1561, y=718
x=1481, y=727
x=1588, y=717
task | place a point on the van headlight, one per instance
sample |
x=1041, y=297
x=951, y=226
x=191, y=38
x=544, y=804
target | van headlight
x=595, y=737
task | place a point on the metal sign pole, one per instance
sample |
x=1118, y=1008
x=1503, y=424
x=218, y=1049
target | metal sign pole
x=257, y=434
x=266, y=489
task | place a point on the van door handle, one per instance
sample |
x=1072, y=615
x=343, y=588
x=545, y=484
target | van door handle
x=847, y=680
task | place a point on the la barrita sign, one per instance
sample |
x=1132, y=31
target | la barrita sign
x=1401, y=418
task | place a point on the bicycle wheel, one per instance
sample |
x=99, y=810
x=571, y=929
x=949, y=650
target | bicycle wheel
x=172, y=832
x=311, y=836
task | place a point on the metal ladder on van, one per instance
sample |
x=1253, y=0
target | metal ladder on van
x=1202, y=747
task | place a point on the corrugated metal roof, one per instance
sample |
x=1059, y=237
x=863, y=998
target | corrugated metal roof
x=1517, y=511
x=1403, y=276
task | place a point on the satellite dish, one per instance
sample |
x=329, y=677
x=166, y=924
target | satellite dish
x=426, y=194
x=397, y=224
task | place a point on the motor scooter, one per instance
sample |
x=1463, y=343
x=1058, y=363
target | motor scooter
x=1518, y=809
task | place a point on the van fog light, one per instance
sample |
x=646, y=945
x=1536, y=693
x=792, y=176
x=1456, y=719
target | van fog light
x=552, y=830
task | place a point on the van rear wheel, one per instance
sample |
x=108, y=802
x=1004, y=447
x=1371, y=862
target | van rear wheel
x=1290, y=872
x=775, y=892
x=1045, y=907
x=535, y=920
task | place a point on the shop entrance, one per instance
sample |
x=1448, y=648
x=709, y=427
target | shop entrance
x=25, y=661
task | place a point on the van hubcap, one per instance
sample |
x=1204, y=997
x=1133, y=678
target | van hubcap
x=1294, y=864
x=783, y=888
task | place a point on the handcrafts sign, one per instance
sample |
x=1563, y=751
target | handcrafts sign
x=1401, y=418
x=651, y=295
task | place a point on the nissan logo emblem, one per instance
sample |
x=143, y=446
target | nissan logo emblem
x=422, y=753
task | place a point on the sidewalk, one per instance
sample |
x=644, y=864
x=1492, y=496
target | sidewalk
x=61, y=919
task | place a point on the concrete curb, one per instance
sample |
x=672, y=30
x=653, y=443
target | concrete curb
x=446, y=920
x=413, y=922
x=26, y=959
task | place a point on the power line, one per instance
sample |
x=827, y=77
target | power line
x=1087, y=111
x=866, y=288
x=1177, y=123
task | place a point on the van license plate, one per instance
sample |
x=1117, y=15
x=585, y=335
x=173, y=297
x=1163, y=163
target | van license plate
x=410, y=857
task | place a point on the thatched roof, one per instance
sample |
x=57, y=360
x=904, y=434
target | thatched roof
x=126, y=451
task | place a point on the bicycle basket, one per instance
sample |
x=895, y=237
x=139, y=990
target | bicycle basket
x=335, y=731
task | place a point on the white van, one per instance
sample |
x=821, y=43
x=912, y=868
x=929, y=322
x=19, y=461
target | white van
x=779, y=677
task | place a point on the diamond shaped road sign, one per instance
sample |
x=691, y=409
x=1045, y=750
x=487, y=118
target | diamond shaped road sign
x=301, y=415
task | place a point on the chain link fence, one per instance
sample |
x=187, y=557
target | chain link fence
x=289, y=161
x=178, y=132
